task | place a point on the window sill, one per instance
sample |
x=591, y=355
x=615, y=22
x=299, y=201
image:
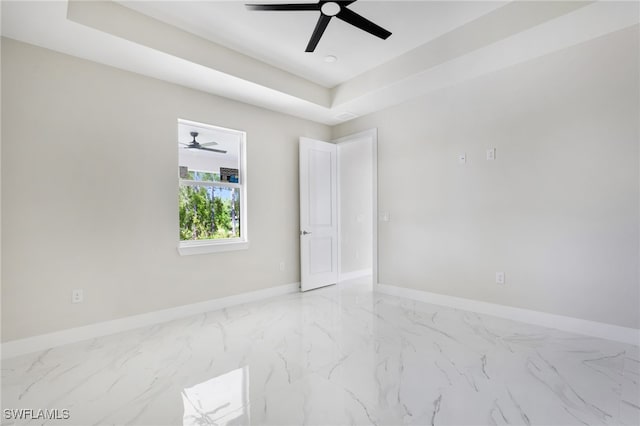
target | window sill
x=188, y=248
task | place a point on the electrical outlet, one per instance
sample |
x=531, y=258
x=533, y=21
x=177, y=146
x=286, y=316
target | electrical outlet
x=491, y=154
x=499, y=277
x=77, y=295
x=282, y=266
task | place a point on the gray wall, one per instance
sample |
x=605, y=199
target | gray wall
x=89, y=189
x=89, y=194
x=557, y=211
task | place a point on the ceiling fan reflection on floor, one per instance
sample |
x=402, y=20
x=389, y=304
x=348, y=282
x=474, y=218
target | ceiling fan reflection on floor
x=327, y=9
x=194, y=144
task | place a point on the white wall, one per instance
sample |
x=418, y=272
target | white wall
x=557, y=211
x=355, y=177
x=89, y=194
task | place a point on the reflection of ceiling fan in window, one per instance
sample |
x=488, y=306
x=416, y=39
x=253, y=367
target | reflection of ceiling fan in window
x=194, y=144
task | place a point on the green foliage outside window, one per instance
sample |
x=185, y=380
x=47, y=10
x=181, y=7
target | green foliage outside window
x=208, y=213
x=203, y=176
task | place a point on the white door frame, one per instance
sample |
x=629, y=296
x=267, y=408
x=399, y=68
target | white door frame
x=373, y=134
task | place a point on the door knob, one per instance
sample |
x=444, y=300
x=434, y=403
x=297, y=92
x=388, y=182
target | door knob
x=305, y=233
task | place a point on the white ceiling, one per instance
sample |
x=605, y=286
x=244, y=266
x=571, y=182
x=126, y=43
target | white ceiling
x=259, y=58
x=280, y=38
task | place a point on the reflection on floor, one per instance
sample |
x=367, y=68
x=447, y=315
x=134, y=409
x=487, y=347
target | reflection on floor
x=335, y=356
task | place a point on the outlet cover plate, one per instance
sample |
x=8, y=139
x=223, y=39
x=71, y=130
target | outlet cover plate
x=77, y=295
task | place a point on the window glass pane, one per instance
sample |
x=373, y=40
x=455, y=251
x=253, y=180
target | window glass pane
x=217, y=152
x=209, y=212
x=211, y=155
x=202, y=176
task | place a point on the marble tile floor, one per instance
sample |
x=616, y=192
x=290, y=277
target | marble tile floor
x=341, y=355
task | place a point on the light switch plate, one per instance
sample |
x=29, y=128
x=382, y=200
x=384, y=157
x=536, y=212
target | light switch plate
x=491, y=154
x=462, y=158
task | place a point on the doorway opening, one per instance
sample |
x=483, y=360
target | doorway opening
x=357, y=207
x=338, y=211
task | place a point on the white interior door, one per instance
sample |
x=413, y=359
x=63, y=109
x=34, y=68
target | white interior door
x=318, y=214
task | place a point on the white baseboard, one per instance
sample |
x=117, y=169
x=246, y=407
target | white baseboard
x=574, y=325
x=344, y=276
x=45, y=341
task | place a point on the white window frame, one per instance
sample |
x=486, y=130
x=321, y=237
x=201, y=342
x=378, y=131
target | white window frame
x=186, y=248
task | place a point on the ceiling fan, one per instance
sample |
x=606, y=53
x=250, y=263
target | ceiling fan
x=327, y=9
x=194, y=144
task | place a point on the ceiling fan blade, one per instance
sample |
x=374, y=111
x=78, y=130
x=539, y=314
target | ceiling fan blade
x=221, y=151
x=364, y=24
x=290, y=6
x=323, y=21
x=209, y=143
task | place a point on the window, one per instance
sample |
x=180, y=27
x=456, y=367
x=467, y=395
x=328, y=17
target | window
x=212, y=193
